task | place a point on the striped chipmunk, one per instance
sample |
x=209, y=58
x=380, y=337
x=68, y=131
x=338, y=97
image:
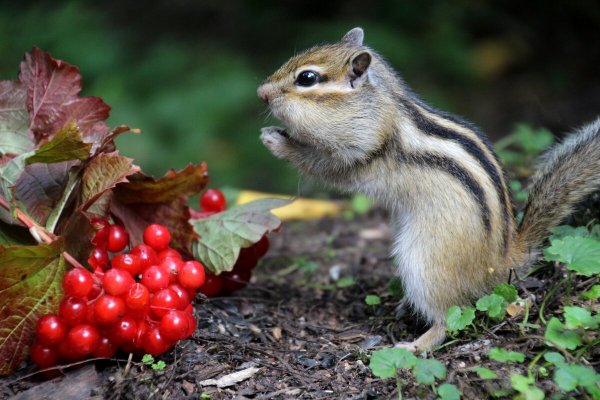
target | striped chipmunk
x=352, y=122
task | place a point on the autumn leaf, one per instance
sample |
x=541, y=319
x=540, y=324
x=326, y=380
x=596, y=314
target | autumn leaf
x=222, y=235
x=30, y=286
x=15, y=137
x=67, y=144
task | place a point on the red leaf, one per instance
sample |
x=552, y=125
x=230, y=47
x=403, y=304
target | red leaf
x=15, y=138
x=53, y=88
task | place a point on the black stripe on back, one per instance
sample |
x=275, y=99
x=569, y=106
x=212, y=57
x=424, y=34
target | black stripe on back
x=430, y=127
x=445, y=164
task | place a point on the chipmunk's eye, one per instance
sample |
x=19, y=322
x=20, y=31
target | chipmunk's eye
x=307, y=78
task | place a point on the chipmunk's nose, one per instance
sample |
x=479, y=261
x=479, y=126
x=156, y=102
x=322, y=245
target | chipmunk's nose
x=262, y=93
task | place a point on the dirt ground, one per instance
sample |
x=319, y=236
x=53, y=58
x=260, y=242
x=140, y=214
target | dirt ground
x=301, y=329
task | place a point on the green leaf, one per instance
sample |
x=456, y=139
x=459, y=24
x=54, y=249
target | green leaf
x=570, y=376
x=160, y=365
x=485, y=373
x=458, y=319
x=532, y=140
x=494, y=304
x=554, y=358
x=562, y=336
x=506, y=290
x=148, y=359
x=578, y=317
x=30, y=286
x=360, y=204
x=66, y=145
x=372, y=300
x=222, y=235
x=562, y=231
x=395, y=288
x=591, y=294
x=426, y=370
x=447, y=391
x=15, y=137
x=581, y=254
x=502, y=355
x=526, y=386
x=345, y=282
x=385, y=362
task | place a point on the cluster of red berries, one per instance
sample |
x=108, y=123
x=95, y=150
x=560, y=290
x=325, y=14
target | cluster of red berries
x=140, y=302
x=213, y=201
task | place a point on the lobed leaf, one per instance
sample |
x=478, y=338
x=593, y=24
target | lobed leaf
x=384, y=363
x=592, y=294
x=581, y=254
x=30, y=286
x=559, y=334
x=447, y=391
x=578, y=317
x=15, y=137
x=67, y=144
x=526, y=386
x=426, y=370
x=507, y=291
x=458, y=319
x=222, y=235
x=494, y=304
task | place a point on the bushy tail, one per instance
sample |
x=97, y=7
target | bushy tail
x=567, y=173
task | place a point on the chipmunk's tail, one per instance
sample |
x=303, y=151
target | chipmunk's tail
x=566, y=174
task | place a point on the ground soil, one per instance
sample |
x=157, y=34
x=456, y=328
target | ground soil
x=301, y=329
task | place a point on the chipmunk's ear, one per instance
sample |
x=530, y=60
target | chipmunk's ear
x=359, y=63
x=354, y=36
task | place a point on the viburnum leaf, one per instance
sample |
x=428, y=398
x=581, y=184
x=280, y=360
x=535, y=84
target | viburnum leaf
x=53, y=100
x=30, y=286
x=15, y=137
x=11, y=235
x=68, y=193
x=102, y=173
x=222, y=235
x=9, y=173
x=65, y=145
x=581, y=254
x=145, y=189
x=40, y=186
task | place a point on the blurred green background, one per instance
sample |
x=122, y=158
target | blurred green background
x=186, y=71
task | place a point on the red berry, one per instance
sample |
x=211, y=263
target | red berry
x=155, y=278
x=98, y=258
x=262, y=246
x=67, y=353
x=172, y=266
x=146, y=254
x=157, y=236
x=182, y=293
x=83, y=338
x=191, y=275
x=212, y=200
x=50, y=329
x=213, y=285
x=118, y=238
x=73, y=310
x=174, y=325
x=125, y=330
x=235, y=280
x=43, y=356
x=164, y=301
x=192, y=325
x=246, y=260
x=109, y=309
x=137, y=297
x=154, y=343
x=77, y=282
x=106, y=348
x=117, y=281
x=127, y=262
x=102, y=227
x=96, y=288
x=168, y=253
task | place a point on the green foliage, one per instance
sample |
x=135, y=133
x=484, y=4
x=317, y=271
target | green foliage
x=502, y=355
x=493, y=304
x=577, y=317
x=507, y=291
x=427, y=370
x=345, y=282
x=458, y=318
x=385, y=362
x=447, y=391
x=395, y=288
x=591, y=294
x=148, y=360
x=581, y=254
x=372, y=300
x=562, y=231
x=519, y=193
x=485, y=373
x=528, y=143
x=561, y=335
x=360, y=204
x=526, y=386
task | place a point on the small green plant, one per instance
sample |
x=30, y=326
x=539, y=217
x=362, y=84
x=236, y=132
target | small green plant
x=494, y=305
x=526, y=386
x=148, y=360
x=502, y=355
x=457, y=318
x=395, y=288
x=485, y=373
x=372, y=300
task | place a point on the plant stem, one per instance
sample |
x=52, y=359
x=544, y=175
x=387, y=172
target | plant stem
x=399, y=386
x=550, y=294
x=534, y=362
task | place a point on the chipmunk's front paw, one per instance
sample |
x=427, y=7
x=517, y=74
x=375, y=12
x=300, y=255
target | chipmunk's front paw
x=275, y=139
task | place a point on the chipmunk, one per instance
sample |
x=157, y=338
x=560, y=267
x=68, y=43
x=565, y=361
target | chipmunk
x=354, y=123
